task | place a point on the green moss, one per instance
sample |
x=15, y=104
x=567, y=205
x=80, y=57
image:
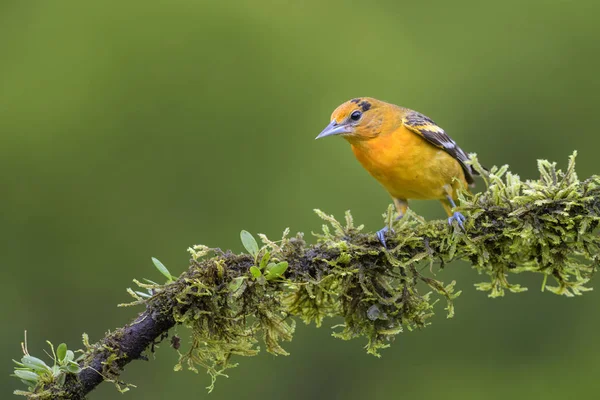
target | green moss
x=545, y=226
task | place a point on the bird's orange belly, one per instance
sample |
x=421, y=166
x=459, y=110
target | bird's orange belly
x=410, y=169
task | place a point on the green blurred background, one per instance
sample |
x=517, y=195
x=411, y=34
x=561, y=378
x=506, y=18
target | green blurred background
x=135, y=129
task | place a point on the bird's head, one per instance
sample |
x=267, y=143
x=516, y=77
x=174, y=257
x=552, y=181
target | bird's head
x=362, y=118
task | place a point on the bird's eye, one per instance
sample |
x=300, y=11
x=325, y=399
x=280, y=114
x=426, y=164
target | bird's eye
x=355, y=116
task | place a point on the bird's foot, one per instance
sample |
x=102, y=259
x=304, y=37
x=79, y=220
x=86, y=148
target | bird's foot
x=458, y=217
x=381, y=234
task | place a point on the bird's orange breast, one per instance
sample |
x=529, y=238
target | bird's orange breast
x=408, y=166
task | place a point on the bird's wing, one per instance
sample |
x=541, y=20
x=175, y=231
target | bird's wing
x=428, y=130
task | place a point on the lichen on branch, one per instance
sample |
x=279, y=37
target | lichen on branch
x=233, y=302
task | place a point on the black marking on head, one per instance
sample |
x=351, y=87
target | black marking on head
x=355, y=101
x=365, y=105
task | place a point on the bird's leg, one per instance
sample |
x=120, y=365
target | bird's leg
x=381, y=234
x=401, y=207
x=454, y=216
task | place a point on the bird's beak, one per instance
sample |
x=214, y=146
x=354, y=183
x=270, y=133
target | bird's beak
x=334, y=129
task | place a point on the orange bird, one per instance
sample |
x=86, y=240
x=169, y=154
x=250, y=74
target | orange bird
x=405, y=151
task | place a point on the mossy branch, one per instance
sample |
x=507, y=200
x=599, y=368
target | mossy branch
x=231, y=301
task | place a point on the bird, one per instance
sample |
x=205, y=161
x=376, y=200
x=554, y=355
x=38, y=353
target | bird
x=407, y=152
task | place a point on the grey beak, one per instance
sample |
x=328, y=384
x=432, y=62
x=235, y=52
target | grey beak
x=333, y=129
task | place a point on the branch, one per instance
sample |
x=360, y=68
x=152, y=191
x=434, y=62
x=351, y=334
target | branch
x=131, y=341
x=230, y=301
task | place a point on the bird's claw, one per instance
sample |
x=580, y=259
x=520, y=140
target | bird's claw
x=458, y=217
x=381, y=235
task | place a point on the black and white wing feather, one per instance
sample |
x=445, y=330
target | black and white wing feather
x=430, y=131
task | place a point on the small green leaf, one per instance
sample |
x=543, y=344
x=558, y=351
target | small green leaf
x=34, y=363
x=28, y=376
x=269, y=266
x=276, y=271
x=60, y=379
x=70, y=356
x=162, y=269
x=265, y=260
x=235, y=283
x=249, y=242
x=237, y=286
x=255, y=271
x=61, y=352
x=73, y=368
